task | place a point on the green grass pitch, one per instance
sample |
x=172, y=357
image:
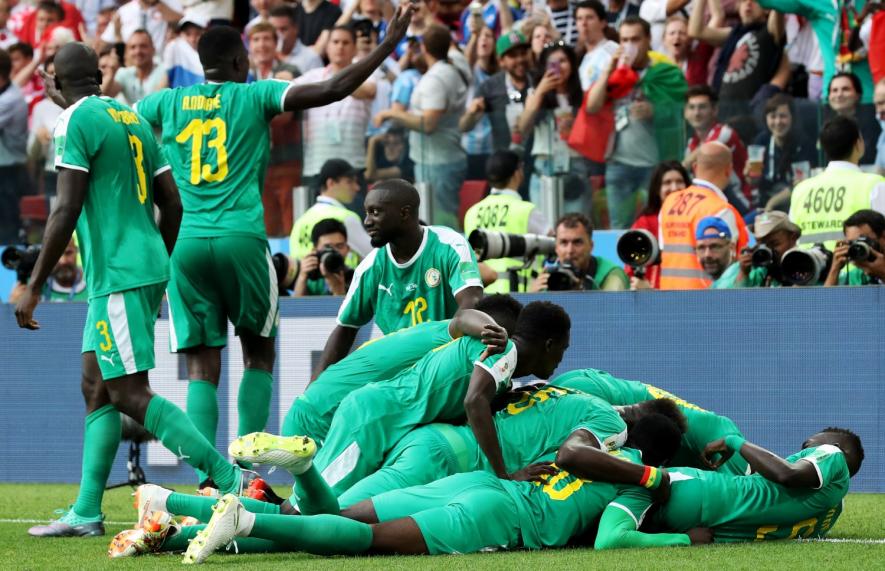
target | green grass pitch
x=22, y=504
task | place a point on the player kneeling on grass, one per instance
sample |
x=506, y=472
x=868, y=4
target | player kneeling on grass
x=463, y=513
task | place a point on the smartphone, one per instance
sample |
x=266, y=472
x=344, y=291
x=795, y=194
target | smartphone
x=553, y=67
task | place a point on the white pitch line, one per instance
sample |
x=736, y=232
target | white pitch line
x=846, y=540
x=7, y=520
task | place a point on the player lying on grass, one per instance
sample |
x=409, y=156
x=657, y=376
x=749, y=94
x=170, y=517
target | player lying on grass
x=463, y=513
x=703, y=426
x=534, y=423
x=797, y=497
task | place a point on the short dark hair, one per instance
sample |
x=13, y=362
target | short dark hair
x=344, y=28
x=838, y=137
x=504, y=309
x=855, y=81
x=637, y=21
x=284, y=11
x=501, y=167
x=327, y=226
x=48, y=6
x=437, y=40
x=665, y=407
x=657, y=437
x=702, y=90
x=5, y=64
x=653, y=206
x=594, y=5
x=573, y=220
x=871, y=218
x=24, y=49
x=853, y=437
x=219, y=44
x=542, y=320
x=778, y=100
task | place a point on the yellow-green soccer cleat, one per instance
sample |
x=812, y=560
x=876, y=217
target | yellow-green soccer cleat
x=147, y=539
x=292, y=453
x=219, y=532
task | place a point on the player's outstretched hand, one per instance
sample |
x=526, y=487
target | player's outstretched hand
x=24, y=310
x=399, y=24
x=715, y=454
x=534, y=472
x=52, y=91
x=495, y=339
x=700, y=535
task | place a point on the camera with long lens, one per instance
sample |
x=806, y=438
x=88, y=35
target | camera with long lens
x=763, y=256
x=806, y=266
x=861, y=249
x=287, y=270
x=563, y=276
x=329, y=258
x=20, y=260
x=491, y=245
x=638, y=249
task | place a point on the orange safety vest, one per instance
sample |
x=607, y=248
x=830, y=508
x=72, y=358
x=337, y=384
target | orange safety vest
x=679, y=218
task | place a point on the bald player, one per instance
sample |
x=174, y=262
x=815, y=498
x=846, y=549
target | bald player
x=415, y=273
x=111, y=174
x=684, y=209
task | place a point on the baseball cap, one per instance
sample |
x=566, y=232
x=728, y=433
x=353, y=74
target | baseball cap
x=335, y=169
x=510, y=40
x=194, y=20
x=712, y=227
x=768, y=222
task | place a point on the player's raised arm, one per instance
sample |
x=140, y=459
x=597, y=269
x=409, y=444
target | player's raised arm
x=72, y=187
x=168, y=201
x=350, y=78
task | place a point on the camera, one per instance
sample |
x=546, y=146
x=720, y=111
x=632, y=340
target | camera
x=763, y=256
x=563, y=276
x=638, y=249
x=329, y=258
x=861, y=250
x=491, y=245
x=806, y=266
x=287, y=270
x=21, y=260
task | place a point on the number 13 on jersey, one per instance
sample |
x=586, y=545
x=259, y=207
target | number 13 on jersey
x=196, y=130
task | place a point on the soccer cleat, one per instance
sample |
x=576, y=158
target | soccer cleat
x=293, y=453
x=219, y=532
x=70, y=525
x=209, y=493
x=260, y=490
x=149, y=498
x=148, y=539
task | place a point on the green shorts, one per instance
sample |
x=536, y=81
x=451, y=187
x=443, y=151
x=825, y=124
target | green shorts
x=120, y=330
x=219, y=279
x=464, y=513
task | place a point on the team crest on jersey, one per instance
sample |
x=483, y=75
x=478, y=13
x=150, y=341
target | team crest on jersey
x=432, y=277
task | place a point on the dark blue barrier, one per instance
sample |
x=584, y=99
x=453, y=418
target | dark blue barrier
x=781, y=363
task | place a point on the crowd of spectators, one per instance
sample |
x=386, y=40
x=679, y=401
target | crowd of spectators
x=615, y=99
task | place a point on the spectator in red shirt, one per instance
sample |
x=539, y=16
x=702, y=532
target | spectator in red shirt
x=668, y=176
x=692, y=56
x=701, y=110
x=40, y=21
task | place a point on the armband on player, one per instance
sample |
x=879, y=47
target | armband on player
x=734, y=442
x=651, y=478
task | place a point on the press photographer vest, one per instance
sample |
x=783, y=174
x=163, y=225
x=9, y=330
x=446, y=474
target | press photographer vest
x=821, y=204
x=501, y=213
x=601, y=269
x=299, y=241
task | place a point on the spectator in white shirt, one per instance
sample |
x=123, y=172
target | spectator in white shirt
x=291, y=51
x=90, y=9
x=598, y=50
x=215, y=11
x=155, y=16
x=143, y=76
x=40, y=147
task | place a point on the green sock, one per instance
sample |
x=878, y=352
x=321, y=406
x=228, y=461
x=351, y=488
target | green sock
x=100, y=442
x=179, y=541
x=292, y=425
x=200, y=507
x=177, y=433
x=202, y=409
x=313, y=495
x=253, y=400
x=317, y=534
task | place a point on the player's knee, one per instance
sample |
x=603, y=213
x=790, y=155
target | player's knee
x=258, y=352
x=363, y=511
x=399, y=536
x=204, y=363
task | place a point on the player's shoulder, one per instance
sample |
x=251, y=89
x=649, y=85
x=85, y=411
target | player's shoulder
x=446, y=239
x=372, y=259
x=84, y=110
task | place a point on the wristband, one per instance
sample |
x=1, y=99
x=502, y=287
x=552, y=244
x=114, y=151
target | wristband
x=734, y=442
x=651, y=478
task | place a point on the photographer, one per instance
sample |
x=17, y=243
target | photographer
x=576, y=268
x=314, y=277
x=760, y=266
x=865, y=227
x=65, y=283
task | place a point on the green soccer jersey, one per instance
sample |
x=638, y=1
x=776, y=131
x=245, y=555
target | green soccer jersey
x=217, y=140
x=421, y=289
x=119, y=241
x=702, y=426
x=751, y=508
x=541, y=420
x=565, y=506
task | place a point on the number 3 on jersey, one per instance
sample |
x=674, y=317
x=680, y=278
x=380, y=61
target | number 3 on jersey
x=196, y=130
x=138, y=152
